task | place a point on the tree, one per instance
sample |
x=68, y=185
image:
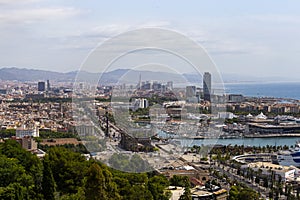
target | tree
x=138, y=192
x=69, y=168
x=7, y=133
x=98, y=184
x=48, y=183
x=110, y=186
x=181, y=181
x=238, y=192
x=157, y=186
x=266, y=182
x=288, y=191
x=249, y=194
x=30, y=164
x=233, y=193
x=14, y=182
x=67, y=175
x=187, y=194
x=94, y=184
x=123, y=184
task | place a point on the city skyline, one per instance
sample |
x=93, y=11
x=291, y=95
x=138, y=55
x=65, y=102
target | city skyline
x=149, y=100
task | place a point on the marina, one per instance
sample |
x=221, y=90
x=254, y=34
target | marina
x=271, y=141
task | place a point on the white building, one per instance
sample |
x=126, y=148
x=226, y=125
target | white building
x=226, y=115
x=23, y=131
x=249, y=116
x=261, y=116
x=86, y=130
x=286, y=173
x=140, y=103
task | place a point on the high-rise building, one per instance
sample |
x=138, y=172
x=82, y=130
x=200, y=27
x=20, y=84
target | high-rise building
x=170, y=85
x=144, y=103
x=156, y=86
x=139, y=85
x=146, y=86
x=207, y=86
x=48, y=85
x=190, y=91
x=139, y=103
x=41, y=86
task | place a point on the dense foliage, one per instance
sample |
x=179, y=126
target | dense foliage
x=53, y=134
x=21, y=173
x=80, y=148
x=238, y=192
x=129, y=164
x=64, y=174
x=7, y=133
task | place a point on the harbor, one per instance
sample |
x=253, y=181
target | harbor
x=264, y=141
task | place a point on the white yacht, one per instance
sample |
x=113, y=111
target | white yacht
x=290, y=157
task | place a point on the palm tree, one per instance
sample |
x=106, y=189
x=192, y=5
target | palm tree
x=263, y=149
x=288, y=191
x=266, y=182
x=298, y=191
x=259, y=172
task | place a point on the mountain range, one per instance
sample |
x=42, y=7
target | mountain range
x=122, y=75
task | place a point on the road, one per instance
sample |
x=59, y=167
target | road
x=264, y=192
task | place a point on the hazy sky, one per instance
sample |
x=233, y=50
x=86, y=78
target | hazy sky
x=260, y=38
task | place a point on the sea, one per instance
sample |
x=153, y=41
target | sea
x=288, y=90
x=265, y=89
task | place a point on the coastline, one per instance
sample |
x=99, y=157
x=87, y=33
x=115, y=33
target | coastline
x=241, y=137
x=273, y=135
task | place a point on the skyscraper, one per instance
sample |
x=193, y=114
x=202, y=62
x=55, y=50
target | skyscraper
x=207, y=86
x=48, y=85
x=41, y=86
x=170, y=85
x=190, y=91
x=140, y=82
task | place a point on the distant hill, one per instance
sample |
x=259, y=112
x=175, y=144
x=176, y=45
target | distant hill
x=122, y=75
x=125, y=75
x=33, y=74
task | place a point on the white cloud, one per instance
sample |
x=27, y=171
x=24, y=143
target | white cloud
x=107, y=31
x=14, y=2
x=89, y=37
x=110, y=30
x=37, y=14
x=277, y=18
x=216, y=43
x=160, y=24
x=235, y=46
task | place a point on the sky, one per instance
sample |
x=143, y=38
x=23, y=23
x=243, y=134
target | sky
x=253, y=38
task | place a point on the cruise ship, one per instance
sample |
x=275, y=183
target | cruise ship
x=291, y=157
